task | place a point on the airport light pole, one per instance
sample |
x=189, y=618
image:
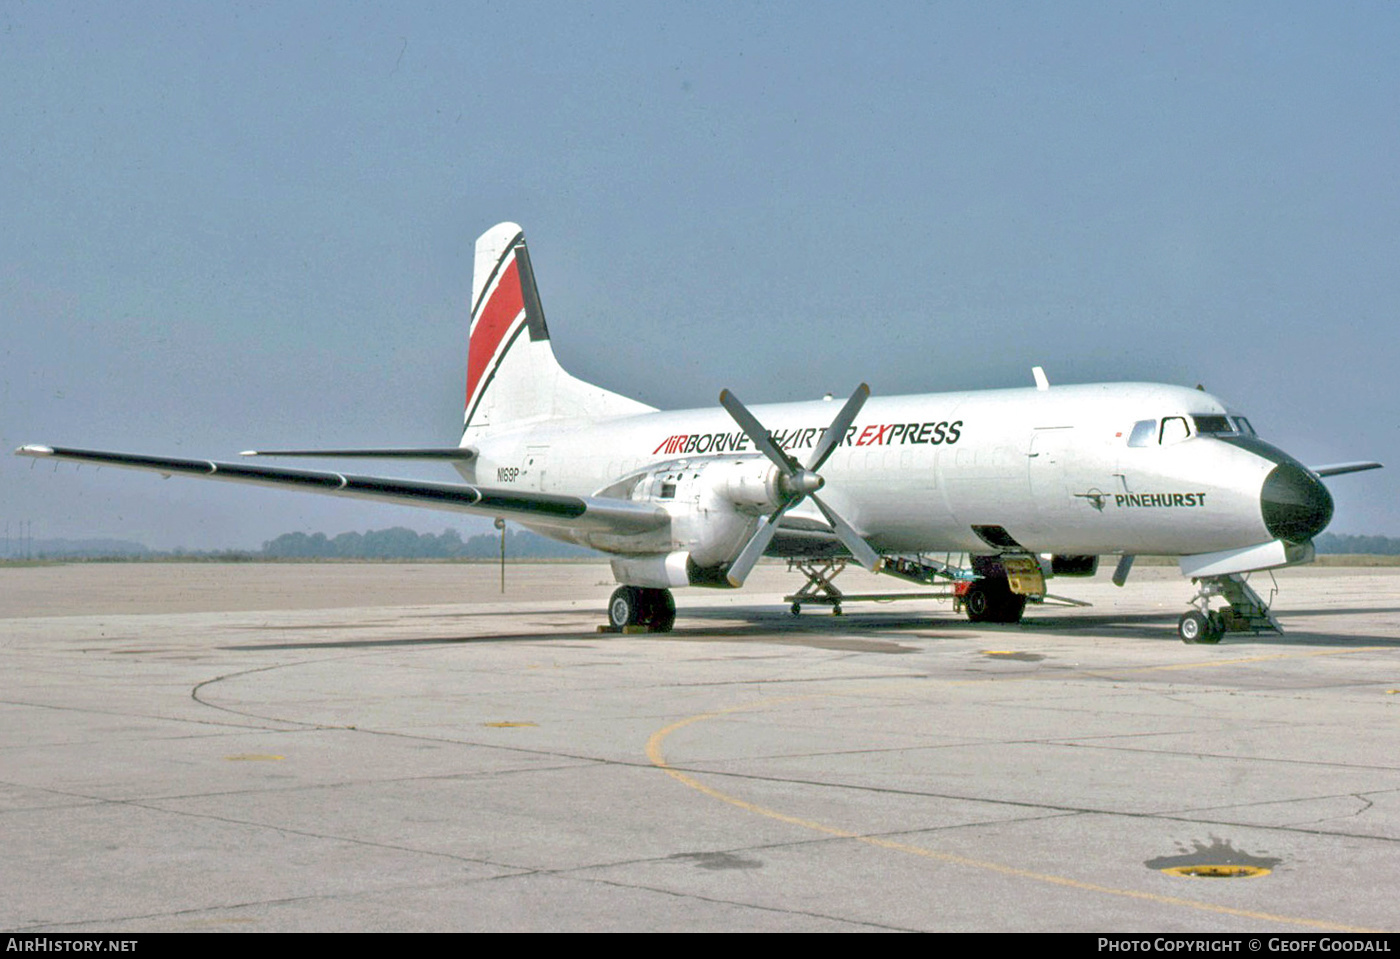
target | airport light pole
x=501, y=525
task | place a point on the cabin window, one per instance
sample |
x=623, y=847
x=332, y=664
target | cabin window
x=1143, y=434
x=1174, y=430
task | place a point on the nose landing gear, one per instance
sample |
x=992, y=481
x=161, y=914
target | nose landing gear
x=1246, y=611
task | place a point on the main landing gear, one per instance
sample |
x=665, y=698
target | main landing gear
x=990, y=600
x=995, y=590
x=638, y=606
x=1001, y=589
x=1245, y=611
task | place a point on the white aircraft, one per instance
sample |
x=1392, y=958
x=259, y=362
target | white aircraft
x=1030, y=483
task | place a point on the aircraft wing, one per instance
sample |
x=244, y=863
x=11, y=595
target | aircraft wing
x=536, y=509
x=1337, y=469
x=458, y=453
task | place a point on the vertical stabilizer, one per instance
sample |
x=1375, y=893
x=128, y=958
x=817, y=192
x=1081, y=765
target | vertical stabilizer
x=513, y=378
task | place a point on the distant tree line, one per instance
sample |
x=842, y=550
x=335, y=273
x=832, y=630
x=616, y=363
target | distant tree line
x=1371, y=545
x=402, y=543
x=396, y=543
x=63, y=548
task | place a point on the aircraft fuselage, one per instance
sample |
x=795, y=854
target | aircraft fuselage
x=1053, y=469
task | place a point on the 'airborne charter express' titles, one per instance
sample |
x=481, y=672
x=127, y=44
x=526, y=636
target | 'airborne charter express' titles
x=881, y=434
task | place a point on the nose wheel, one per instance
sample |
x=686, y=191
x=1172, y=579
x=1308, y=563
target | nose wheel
x=1196, y=627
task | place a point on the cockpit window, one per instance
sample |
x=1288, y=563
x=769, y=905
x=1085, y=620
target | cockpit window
x=1144, y=433
x=1174, y=430
x=1209, y=424
x=1243, y=426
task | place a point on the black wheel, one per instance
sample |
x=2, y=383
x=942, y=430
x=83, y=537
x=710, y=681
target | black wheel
x=1215, y=629
x=836, y=610
x=977, y=603
x=658, y=609
x=1193, y=627
x=625, y=607
x=991, y=601
x=796, y=609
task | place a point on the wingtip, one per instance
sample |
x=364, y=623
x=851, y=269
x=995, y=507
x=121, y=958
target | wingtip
x=33, y=450
x=249, y=453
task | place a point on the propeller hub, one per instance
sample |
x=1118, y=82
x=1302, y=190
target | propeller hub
x=801, y=483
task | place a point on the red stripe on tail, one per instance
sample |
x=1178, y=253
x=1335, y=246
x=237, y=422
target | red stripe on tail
x=494, y=322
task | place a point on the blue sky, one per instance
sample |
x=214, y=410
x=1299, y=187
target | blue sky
x=248, y=225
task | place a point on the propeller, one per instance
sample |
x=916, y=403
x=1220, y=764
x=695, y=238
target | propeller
x=797, y=483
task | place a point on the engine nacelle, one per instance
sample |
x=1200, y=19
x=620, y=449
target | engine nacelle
x=750, y=484
x=660, y=571
x=715, y=506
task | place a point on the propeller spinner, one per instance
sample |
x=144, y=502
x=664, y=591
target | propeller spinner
x=798, y=483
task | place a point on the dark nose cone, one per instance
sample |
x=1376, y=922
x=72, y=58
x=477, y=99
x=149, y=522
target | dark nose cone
x=1295, y=503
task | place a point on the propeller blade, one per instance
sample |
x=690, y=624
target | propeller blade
x=798, y=483
x=852, y=540
x=836, y=432
x=754, y=430
x=748, y=556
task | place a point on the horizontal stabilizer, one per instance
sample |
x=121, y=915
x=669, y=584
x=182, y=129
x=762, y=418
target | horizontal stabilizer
x=1337, y=469
x=620, y=517
x=458, y=453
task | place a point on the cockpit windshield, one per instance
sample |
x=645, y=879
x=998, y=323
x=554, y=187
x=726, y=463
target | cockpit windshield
x=1211, y=424
x=1174, y=429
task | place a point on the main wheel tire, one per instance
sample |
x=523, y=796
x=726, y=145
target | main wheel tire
x=658, y=609
x=977, y=603
x=991, y=601
x=1013, y=608
x=625, y=607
